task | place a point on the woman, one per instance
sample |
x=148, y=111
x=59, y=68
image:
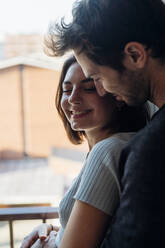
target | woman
x=87, y=209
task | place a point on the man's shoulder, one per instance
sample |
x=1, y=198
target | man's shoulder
x=153, y=132
x=146, y=146
x=140, y=217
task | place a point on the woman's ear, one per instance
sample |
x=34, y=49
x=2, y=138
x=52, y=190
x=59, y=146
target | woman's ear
x=135, y=56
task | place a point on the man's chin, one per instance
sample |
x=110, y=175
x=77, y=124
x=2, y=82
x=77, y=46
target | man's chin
x=130, y=101
x=134, y=102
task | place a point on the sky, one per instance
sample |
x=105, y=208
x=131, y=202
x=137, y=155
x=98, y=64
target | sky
x=31, y=16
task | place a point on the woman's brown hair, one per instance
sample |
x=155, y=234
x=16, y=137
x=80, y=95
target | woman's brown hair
x=76, y=137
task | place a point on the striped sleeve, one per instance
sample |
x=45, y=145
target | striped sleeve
x=99, y=185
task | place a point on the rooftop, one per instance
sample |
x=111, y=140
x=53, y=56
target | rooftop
x=36, y=59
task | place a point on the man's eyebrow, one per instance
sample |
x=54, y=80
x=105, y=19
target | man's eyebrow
x=86, y=80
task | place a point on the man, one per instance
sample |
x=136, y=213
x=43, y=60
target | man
x=121, y=45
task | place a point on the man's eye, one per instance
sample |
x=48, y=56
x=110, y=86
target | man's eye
x=97, y=80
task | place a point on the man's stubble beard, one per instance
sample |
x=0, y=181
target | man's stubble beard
x=138, y=92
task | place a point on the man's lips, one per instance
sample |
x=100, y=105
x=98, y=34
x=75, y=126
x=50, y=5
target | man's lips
x=118, y=98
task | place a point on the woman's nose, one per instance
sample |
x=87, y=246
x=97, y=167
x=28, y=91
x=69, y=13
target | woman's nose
x=74, y=97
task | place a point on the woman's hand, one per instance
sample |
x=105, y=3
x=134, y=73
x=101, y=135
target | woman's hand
x=41, y=232
x=49, y=242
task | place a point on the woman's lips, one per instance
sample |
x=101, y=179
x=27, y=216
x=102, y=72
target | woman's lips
x=78, y=114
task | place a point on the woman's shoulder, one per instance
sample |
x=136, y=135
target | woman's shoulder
x=115, y=142
x=107, y=152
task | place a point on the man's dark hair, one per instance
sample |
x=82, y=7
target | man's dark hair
x=102, y=28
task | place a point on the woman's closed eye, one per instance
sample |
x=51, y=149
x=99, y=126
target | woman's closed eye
x=89, y=86
x=66, y=90
x=90, y=89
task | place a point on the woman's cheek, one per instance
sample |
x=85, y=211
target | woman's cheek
x=64, y=103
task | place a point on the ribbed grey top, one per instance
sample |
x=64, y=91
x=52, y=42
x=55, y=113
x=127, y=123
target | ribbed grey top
x=97, y=184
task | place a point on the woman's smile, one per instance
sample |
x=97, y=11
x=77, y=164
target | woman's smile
x=79, y=114
x=83, y=107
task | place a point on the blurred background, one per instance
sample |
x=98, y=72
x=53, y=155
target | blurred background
x=37, y=162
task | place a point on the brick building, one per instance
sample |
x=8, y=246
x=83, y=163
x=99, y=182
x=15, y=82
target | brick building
x=29, y=123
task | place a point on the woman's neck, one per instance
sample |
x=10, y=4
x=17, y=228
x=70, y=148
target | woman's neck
x=94, y=136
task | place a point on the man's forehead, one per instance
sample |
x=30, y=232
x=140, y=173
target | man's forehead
x=88, y=70
x=87, y=73
x=88, y=67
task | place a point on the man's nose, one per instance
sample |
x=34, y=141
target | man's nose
x=100, y=89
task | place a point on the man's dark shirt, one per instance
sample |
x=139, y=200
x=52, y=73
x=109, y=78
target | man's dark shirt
x=140, y=218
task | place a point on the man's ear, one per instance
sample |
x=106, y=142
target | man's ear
x=135, y=56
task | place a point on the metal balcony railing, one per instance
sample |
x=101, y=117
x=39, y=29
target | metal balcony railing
x=12, y=213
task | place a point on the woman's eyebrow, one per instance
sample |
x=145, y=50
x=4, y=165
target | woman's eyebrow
x=86, y=80
x=67, y=82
